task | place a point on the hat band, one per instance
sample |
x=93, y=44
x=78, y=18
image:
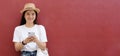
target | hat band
x=29, y=8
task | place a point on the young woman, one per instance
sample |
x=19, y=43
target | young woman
x=29, y=35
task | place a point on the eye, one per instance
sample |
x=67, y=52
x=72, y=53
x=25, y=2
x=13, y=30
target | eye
x=33, y=13
x=27, y=13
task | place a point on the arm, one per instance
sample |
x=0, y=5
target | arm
x=41, y=42
x=18, y=46
x=41, y=45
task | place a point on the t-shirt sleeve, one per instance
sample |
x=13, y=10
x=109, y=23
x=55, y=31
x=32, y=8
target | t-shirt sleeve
x=16, y=35
x=43, y=36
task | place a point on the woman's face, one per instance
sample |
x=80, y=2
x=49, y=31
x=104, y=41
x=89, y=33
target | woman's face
x=30, y=16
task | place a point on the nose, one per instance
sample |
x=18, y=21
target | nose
x=31, y=16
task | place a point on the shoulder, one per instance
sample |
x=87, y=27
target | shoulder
x=19, y=27
x=40, y=26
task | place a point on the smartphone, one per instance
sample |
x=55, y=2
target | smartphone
x=31, y=34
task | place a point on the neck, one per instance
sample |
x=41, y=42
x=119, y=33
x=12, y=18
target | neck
x=29, y=25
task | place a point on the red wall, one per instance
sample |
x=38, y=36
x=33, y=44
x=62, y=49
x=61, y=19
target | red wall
x=74, y=27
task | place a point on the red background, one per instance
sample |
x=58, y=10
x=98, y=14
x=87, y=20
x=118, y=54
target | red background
x=74, y=27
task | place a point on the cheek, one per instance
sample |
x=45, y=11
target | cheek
x=26, y=17
x=34, y=17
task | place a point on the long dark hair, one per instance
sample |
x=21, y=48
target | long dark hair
x=23, y=21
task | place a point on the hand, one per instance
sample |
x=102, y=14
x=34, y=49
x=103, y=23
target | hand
x=28, y=39
x=35, y=39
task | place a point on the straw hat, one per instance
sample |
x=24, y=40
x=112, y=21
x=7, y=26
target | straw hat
x=30, y=6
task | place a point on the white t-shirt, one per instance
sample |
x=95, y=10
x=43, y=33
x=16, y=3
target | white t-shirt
x=21, y=33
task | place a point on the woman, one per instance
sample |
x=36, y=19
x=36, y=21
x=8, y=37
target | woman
x=29, y=36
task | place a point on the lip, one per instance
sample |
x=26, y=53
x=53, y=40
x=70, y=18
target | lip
x=30, y=19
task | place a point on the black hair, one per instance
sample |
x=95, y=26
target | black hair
x=23, y=21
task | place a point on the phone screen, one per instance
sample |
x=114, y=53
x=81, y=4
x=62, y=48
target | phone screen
x=31, y=33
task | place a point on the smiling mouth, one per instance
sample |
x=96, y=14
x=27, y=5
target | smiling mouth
x=30, y=19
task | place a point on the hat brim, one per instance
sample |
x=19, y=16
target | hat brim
x=36, y=9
